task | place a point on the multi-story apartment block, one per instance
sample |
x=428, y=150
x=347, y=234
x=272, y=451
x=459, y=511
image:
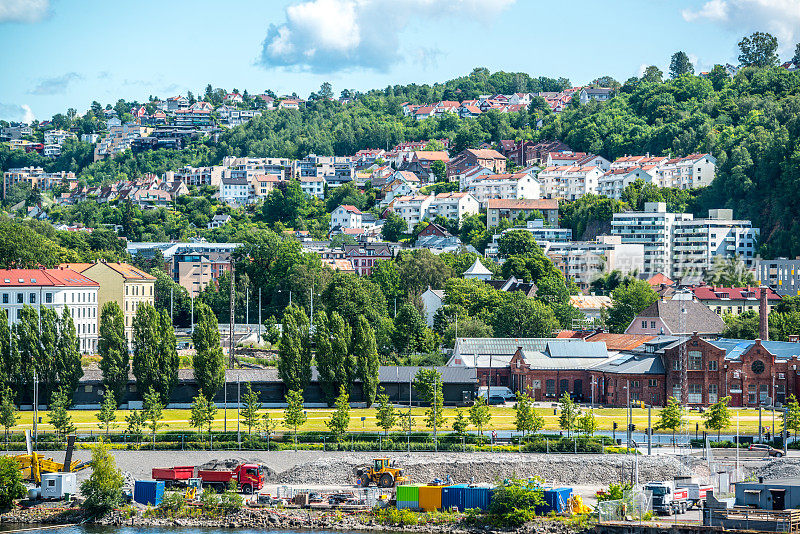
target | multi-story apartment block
x=781, y=274
x=412, y=209
x=734, y=300
x=313, y=186
x=569, y=181
x=614, y=182
x=697, y=242
x=55, y=289
x=453, y=206
x=541, y=233
x=654, y=228
x=491, y=159
x=249, y=167
x=498, y=209
x=37, y=178
x=568, y=158
x=176, y=103
x=583, y=261
x=57, y=137
x=118, y=139
x=335, y=169
x=522, y=185
x=678, y=245
x=364, y=257
x=199, y=176
x=122, y=283
x=695, y=170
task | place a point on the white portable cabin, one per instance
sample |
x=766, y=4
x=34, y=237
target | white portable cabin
x=58, y=485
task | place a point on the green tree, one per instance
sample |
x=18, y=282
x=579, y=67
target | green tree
x=367, y=362
x=792, y=415
x=107, y=415
x=518, y=243
x=102, y=491
x=11, y=486
x=268, y=426
x=718, y=416
x=680, y=65
x=587, y=423
x=8, y=411
x=153, y=412
x=524, y=413
x=671, y=417
x=628, y=299
x=520, y=316
x=250, y=408
x=59, y=416
x=569, y=413
x=409, y=330
x=335, y=365
x=208, y=361
x=796, y=56
x=460, y=423
x=652, y=74
x=113, y=348
x=758, y=49
x=729, y=272
x=202, y=414
x=293, y=415
x=385, y=413
x=294, y=356
x=439, y=170
x=155, y=357
x=394, y=227
x=67, y=362
x=479, y=414
x=339, y=421
x=134, y=422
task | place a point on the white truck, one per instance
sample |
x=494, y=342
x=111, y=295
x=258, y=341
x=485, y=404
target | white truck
x=676, y=497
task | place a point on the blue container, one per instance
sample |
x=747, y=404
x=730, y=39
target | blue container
x=479, y=498
x=148, y=492
x=453, y=497
x=555, y=500
x=407, y=505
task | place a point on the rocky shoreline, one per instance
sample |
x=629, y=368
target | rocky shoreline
x=263, y=519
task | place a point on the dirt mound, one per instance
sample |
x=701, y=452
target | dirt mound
x=229, y=464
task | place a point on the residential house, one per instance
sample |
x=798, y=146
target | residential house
x=521, y=185
x=498, y=209
x=677, y=317
x=234, y=191
x=199, y=176
x=219, y=220
x=734, y=300
x=597, y=94
x=491, y=159
x=313, y=186
x=346, y=216
x=364, y=257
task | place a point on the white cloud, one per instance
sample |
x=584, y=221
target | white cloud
x=778, y=17
x=329, y=35
x=23, y=10
x=16, y=113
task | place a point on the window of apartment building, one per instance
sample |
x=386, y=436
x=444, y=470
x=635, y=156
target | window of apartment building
x=695, y=360
x=550, y=387
x=712, y=365
x=644, y=324
x=652, y=324
x=20, y=298
x=695, y=394
x=712, y=393
x=751, y=394
x=5, y=298
x=653, y=383
x=48, y=298
x=32, y=298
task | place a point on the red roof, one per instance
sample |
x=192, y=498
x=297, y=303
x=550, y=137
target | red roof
x=44, y=278
x=659, y=279
x=732, y=293
x=351, y=209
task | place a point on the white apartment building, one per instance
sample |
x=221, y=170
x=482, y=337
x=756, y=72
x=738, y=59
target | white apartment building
x=614, y=182
x=678, y=245
x=313, y=186
x=468, y=176
x=346, y=216
x=583, y=261
x=412, y=209
x=199, y=176
x=57, y=137
x=694, y=170
x=55, y=289
x=516, y=186
x=655, y=229
x=37, y=178
x=571, y=182
x=581, y=159
x=234, y=191
x=698, y=241
x=453, y=206
x=248, y=167
x=541, y=234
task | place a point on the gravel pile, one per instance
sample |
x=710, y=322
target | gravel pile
x=586, y=469
x=778, y=468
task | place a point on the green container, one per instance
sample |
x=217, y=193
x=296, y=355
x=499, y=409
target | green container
x=408, y=493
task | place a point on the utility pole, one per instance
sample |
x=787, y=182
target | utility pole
x=435, y=398
x=247, y=308
x=171, y=306
x=238, y=409
x=628, y=411
x=231, y=356
x=192, y=313
x=649, y=429
x=259, y=315
x=311, y=328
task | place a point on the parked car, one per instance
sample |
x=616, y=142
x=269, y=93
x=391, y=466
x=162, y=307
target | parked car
x=495, y=400
x=771, y=451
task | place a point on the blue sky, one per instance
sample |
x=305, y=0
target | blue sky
x=56, y=54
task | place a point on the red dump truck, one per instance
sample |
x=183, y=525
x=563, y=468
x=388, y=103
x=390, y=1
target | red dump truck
x=247, y=477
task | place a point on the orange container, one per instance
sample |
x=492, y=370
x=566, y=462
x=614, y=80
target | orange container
x=430, y=498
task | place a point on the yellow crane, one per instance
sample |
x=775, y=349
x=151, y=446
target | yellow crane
x=33, y=464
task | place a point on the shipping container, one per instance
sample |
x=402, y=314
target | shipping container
x=408, y=493
x=477, y=497
x=58, y=485
x=555, y=500
x=430, y=498
x=452, y=497
x=407, y=505
x=148, y=492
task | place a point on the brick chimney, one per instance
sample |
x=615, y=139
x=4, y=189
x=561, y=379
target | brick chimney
x=763, y=314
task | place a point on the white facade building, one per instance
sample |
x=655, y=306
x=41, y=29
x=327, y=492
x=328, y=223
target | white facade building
x=54, y=289
x=234, y=191
x=583, y=261
x=346, y=216
x=453, y=206
x=412, y=209
x=509, y=186
x=313, y=186
x=571, y=182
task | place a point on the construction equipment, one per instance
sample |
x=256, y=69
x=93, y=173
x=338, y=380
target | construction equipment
x=33, y=465
x=381, y=473
x=194, y=487
x=576, y=506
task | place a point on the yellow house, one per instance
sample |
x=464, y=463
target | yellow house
x=122, y=283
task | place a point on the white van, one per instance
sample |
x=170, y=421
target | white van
x=497, y=391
